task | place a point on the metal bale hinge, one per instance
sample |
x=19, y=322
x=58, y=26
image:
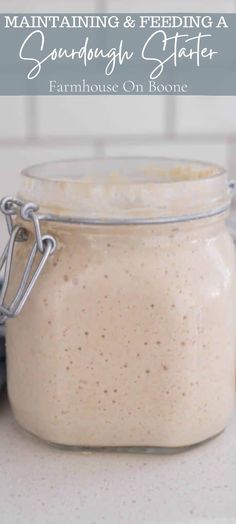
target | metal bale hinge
x=44, y=245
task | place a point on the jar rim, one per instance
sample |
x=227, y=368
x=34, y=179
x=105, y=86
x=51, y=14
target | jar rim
x=38, y=171
x=126, y=189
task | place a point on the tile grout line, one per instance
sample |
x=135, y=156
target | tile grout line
x=31, y=118
x=170, y=116
x=101, y=6
x=99, y=148
x=131, y=139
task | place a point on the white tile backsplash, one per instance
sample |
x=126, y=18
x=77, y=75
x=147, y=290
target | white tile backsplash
x=12, y=117
x=203, y=151
x=202, y=114
x=155, y=6
x=100, y=115
x=174, y=6
x=47, y=6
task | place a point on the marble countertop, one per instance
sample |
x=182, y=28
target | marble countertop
x=44, y=485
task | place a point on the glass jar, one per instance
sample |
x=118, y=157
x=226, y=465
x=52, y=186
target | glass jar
x=128, y=336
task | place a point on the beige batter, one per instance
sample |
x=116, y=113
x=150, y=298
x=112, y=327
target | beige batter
x=128, y=338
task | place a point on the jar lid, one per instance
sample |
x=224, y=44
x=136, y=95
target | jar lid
x=121, y=189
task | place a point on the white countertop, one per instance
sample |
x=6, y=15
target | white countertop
x=44, y=485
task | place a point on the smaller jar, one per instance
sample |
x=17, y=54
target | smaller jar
x=128, y=335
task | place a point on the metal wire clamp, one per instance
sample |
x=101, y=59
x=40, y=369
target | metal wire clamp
x=44, y=245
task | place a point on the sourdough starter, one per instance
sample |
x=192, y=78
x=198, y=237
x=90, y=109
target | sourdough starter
x=128, y=337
